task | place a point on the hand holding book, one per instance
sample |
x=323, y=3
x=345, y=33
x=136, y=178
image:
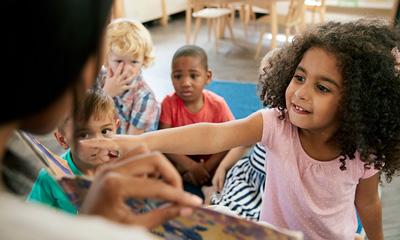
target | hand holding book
x=136, y=174
x=204, y=223
x=119, y=181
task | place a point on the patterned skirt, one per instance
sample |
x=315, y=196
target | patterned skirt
x=244, y=185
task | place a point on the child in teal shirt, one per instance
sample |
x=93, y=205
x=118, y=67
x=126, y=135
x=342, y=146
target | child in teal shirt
x=96, y=118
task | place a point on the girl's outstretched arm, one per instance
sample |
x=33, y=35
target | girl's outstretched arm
x=206, y=138
x=182, y=162
x=200, y=138
x=369, y=207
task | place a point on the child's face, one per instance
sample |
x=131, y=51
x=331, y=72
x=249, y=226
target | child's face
x=315, y=91
x=131, y=64
x=102, y=127
x=189, y=78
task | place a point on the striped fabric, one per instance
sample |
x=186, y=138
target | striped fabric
x=244, y=185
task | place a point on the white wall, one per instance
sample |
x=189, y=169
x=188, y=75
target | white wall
x=147, y=10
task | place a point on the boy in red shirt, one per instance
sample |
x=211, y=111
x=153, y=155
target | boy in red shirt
x=191, y=103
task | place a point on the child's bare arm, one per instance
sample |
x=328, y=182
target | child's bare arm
x=369, y=207
x=182, y=162
x=206, y=138
x=201, y=138
x=233, y=156
x=134, y=131
x=229, y=160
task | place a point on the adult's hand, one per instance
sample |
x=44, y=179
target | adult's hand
x=138, y=174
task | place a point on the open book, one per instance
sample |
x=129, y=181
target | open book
x=204, y=223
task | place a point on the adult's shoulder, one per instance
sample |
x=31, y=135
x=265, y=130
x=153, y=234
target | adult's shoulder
x=21, y=220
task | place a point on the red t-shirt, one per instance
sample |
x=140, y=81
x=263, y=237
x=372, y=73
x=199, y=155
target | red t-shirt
x=215, y=110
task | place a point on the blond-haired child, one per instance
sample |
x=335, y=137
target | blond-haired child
x=129, y=48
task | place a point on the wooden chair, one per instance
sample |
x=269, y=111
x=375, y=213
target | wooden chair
x=118, y=9
x=247, y=12
x=242, y=8
x=292, y=20
x=316, y=6
x=215, y=15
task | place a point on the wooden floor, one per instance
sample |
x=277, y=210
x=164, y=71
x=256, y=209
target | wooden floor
x=235, y=62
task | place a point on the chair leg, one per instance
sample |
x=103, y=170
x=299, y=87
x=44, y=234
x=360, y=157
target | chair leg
x=217, y=32
x=233, y=15
x=196, y=29
x=230, y=28
x=313, y=15
x=260, y=43
x=322, y=14
x=247, y=13
x=252, y=15
x=296, y=28
x=287, y=33
x=209, y=26
x=243, y=18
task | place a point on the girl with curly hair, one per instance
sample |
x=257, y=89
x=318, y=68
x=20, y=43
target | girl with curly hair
x=333, y=126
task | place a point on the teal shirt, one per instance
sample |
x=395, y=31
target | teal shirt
x=47, y=191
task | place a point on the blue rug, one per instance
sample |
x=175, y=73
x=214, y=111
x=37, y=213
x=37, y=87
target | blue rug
x=241, y=97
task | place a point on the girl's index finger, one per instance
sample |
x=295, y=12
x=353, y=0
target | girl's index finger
x=100, y=143
x=122, y=143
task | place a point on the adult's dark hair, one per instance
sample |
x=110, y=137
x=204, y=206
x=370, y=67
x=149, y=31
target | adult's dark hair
x=370, y=110
x=46, y=49
x=192, y=51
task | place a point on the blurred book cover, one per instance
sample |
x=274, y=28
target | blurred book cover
x=204, y=223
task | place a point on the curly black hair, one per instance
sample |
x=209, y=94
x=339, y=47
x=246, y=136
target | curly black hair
x=370, y=112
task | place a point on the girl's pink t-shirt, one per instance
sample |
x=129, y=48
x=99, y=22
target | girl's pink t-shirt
x=301, y=193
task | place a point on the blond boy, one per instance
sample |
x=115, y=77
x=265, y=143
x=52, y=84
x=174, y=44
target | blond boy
x=129, y=48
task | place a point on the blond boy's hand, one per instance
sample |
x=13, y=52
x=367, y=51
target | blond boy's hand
x=119, y=81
